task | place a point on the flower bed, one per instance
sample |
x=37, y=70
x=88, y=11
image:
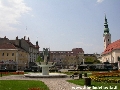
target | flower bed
x=18, y=72
x=13, y=73
x=100, y=77
x=4, y=73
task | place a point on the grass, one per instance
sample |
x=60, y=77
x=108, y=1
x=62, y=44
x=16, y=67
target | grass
x=96, y=84
x=21, y=84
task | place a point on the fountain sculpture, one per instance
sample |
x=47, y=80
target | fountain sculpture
x=45, y=65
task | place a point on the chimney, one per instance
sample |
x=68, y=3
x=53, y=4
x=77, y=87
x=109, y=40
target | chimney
x=5, y=37
x=24, y=37
x=28, y=39
x=36, y=43
x=17, y=38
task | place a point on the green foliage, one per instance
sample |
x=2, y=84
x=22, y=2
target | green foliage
x=39, y=59
x=21, y=84
x=96, y=61
x=91, y=59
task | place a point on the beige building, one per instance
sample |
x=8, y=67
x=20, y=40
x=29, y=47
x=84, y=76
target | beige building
x=73, y=60
x=25, y=44
x=67, y=58
x=12, y=57
x=111, y=52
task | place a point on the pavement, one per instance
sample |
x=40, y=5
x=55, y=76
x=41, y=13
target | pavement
x=52, y=83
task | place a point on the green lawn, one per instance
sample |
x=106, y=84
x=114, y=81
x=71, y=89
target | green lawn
x=21, y=85
x=96, y=84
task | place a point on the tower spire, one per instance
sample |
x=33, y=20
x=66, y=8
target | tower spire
x=106, y=34
x=106, y=30
x=105, y=19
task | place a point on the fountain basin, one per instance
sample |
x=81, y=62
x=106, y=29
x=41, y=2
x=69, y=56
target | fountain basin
x=51, y=75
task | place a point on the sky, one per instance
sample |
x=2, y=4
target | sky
x=61, y=25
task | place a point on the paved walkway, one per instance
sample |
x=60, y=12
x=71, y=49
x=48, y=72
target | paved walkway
x=52, y=83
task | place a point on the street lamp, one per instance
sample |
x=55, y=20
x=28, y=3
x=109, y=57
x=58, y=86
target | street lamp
x=25, y=65
x=83, y=61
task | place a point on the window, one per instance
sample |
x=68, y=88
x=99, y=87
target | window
x=7, y=54
x=12, y=54
x=108, y=39
x=2, y=54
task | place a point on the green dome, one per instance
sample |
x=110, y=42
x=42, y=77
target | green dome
x=106, y=30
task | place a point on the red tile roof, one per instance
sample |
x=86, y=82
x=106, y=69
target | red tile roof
x=7, y=46
x=112, y=46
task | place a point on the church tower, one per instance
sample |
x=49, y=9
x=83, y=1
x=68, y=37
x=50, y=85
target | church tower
x=106, y=34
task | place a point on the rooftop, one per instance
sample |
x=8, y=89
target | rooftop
x=112, y=46
x=7, y=46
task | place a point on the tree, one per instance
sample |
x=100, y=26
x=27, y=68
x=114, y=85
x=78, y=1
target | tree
x=39, y=59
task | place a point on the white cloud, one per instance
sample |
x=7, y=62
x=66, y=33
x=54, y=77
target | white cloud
x=10, y=12
x=100, y=1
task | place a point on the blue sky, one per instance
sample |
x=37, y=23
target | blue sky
x=61, y=24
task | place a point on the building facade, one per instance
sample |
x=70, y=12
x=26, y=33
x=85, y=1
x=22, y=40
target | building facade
x=25, y=44
x=63, y=58
x=111, y=52
x=12, y=57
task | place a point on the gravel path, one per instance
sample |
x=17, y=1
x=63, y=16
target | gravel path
x=52, y=83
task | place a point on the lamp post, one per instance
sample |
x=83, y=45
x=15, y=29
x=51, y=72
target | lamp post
x=83, y=61
x=1, y=67
x=25, y=65
x=16, y=59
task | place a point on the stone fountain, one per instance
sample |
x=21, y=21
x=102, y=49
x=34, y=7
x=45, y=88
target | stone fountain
x=45, y=65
